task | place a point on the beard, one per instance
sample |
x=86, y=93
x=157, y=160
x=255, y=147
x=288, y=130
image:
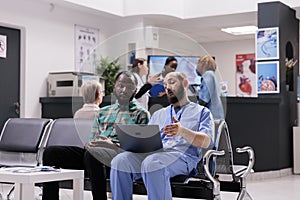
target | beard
x=177, y=95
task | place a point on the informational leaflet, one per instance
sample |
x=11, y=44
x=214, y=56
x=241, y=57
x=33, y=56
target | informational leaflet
x=86, y=51
x=3, y=46
x=30, y=169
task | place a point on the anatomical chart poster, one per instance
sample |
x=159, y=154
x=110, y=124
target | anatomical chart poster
x=3, y=45
x=245, y=75
x=86, y=51
x=267, y=77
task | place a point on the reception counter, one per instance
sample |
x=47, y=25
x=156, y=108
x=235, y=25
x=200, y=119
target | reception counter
x=263, y=124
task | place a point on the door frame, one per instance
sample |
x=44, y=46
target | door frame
x=22, y=65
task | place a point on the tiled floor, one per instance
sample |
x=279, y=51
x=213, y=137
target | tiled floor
x=286, y=187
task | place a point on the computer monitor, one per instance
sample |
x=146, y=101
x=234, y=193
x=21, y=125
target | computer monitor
x=186, y=64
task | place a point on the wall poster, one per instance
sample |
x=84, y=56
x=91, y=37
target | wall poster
x=3, y=46
x=245, y=75
x=86, y=51
x=267, y=43
x=267, y=77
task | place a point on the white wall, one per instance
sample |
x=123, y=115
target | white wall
x=184, y=9
x=158, y=7
x=124, y=31
x=114, y=7
x=175, y=43
x=225, y=57
x=49, y=44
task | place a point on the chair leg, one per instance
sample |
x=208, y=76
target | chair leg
x=217, y=190
x=217, y=197
x=244, y=195
x=40, y=193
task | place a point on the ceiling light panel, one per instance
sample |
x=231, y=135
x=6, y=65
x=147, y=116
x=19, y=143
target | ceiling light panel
x=241, y=30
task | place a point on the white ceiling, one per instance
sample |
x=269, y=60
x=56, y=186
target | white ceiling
x=206, y=29
x=203, y=29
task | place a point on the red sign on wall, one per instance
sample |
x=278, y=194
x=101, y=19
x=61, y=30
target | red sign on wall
x=245, y=75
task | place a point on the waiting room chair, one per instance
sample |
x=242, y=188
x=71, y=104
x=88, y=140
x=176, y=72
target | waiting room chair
x=69, y=132
x=194, y=187
x=230, y=177
x=21, y=141
x=206, y=185
x=201, y=184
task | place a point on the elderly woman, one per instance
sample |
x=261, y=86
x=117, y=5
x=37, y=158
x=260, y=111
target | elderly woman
x=92, y=97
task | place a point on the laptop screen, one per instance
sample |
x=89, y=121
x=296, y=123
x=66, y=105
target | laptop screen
x=139, y=138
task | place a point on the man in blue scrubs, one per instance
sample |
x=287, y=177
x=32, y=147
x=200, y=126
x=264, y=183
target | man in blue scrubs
x=185, y=127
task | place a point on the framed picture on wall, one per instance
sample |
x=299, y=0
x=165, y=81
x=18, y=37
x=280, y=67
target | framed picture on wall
x=267, y=77
x=245, y=75
x=86, y=51
x=267, y=43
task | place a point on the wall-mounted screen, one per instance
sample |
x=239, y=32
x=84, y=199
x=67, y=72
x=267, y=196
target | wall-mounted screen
x=186, y=64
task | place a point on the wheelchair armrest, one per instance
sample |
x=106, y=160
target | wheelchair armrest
x=206, y=158
x=250, y=152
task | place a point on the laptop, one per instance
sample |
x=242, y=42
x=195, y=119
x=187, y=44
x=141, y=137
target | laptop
x=139, y=138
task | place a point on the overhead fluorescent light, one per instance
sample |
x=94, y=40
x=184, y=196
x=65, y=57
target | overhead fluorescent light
x=241, y=30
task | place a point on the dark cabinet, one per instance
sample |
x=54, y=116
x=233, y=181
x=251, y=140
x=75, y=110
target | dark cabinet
x=64, y=107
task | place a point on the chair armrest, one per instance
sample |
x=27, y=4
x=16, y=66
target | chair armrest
x=206, y=158
x=250, y=152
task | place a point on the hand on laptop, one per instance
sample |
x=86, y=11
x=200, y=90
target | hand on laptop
x=102, y=142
